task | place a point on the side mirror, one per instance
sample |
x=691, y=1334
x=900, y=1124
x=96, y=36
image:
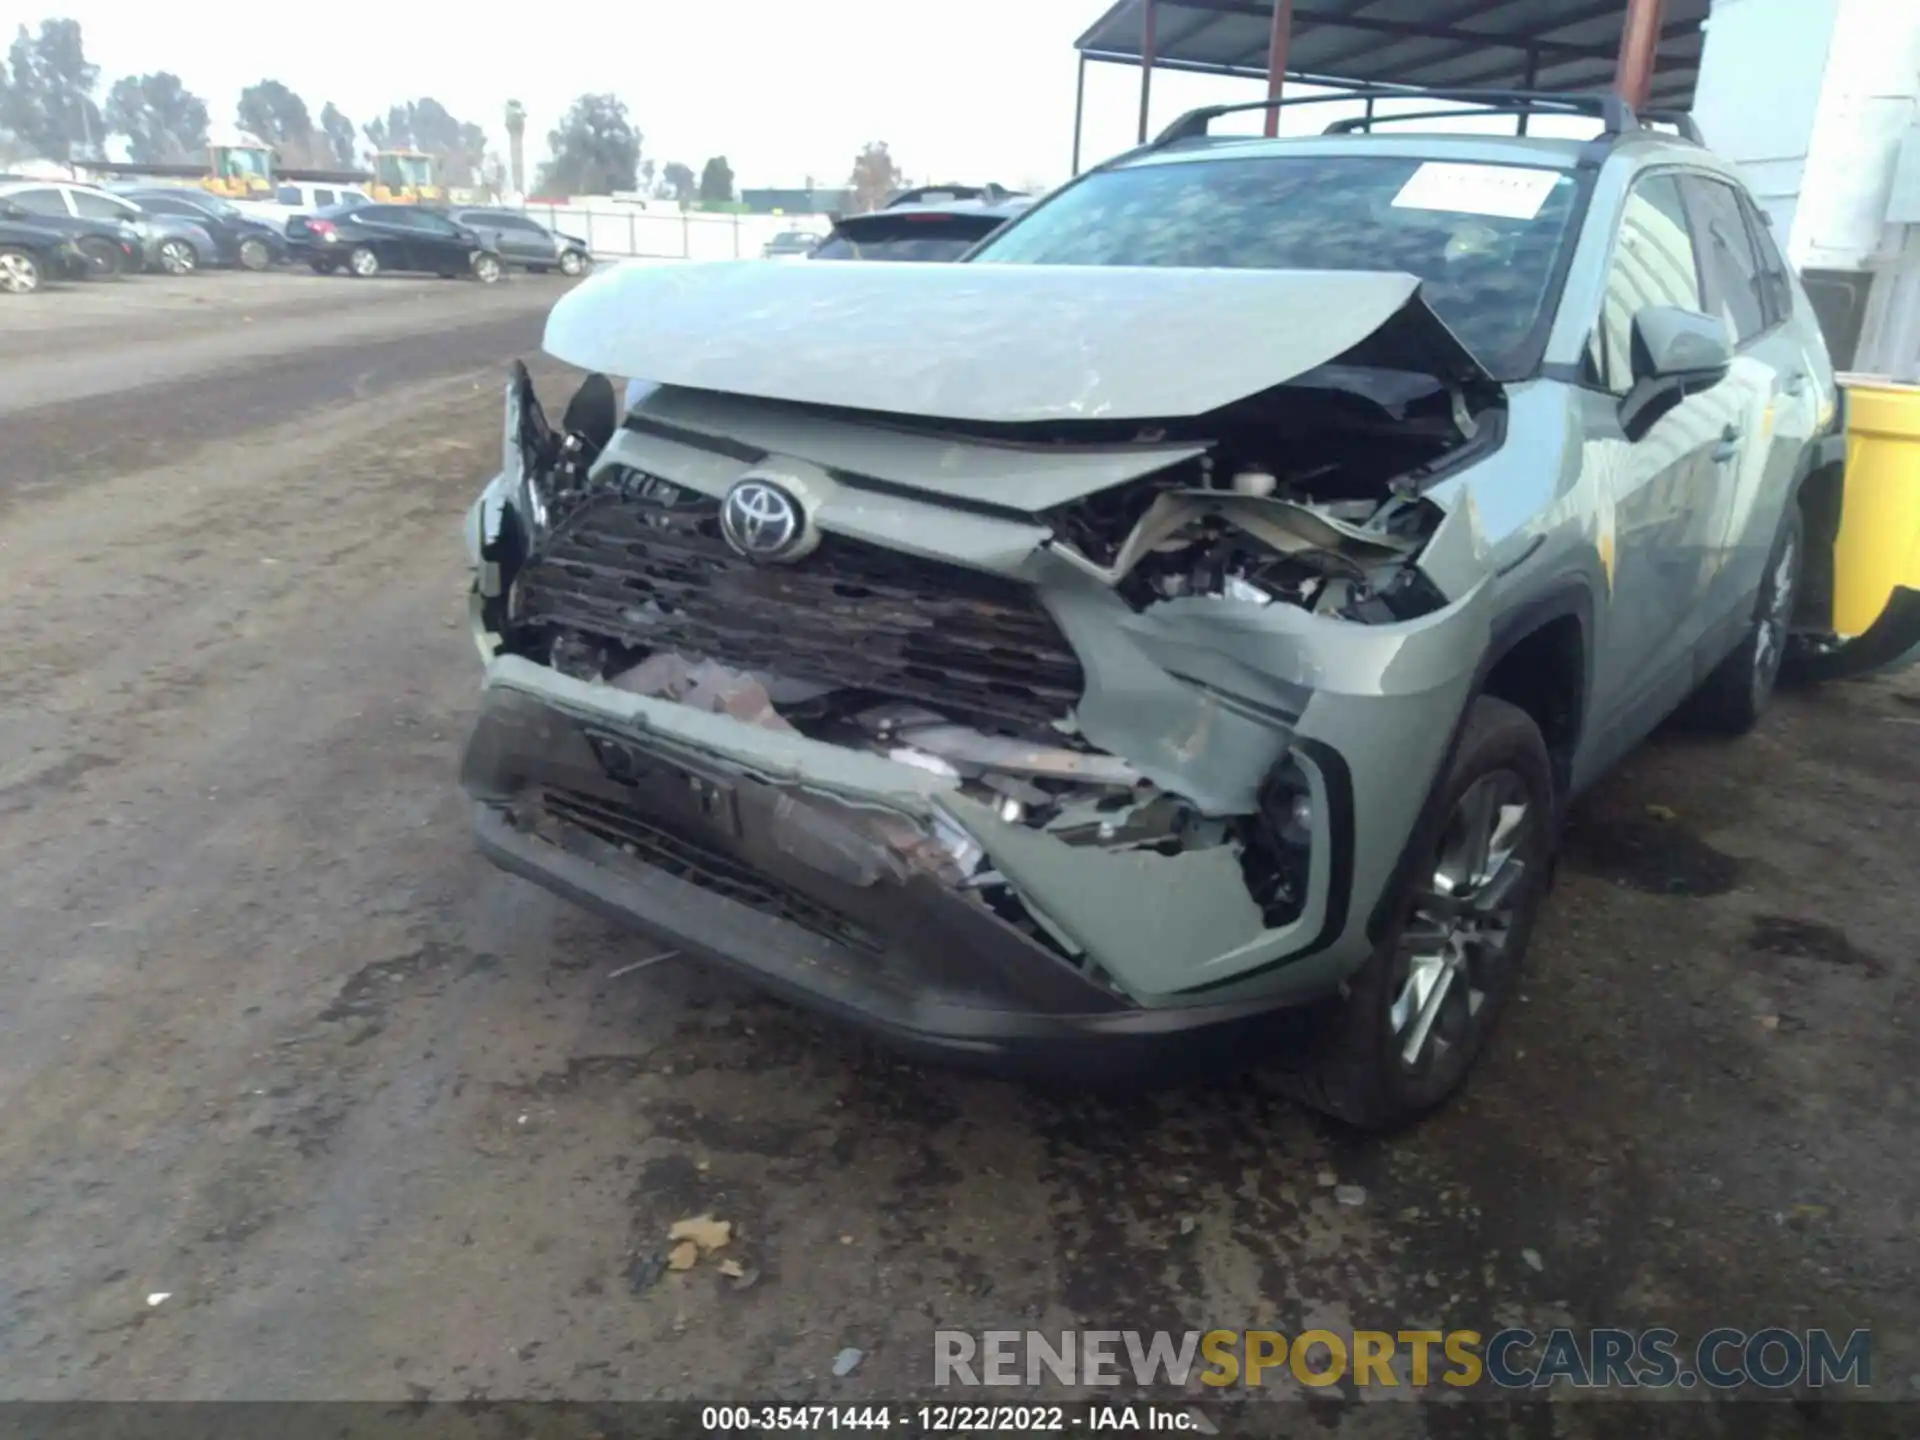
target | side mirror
x=1676, y=353
x=1672, y=344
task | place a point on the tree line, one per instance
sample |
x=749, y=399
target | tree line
x=50, y=107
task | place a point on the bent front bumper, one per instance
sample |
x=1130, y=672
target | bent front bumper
x=825, y=875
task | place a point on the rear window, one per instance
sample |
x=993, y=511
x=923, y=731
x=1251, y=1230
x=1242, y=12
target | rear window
x=919, y=237
x=1484, y=239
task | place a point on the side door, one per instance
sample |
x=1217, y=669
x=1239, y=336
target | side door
x=442, y=245
x=487, y=225
x=1654, y=476
x=392, y=235
x=1773, y=400
x=524, y=242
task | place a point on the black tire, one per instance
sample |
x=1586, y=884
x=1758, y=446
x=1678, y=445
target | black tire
x=363, y=262
x=20, y=271
x=322, y=267
x=575, y=263
x=1731, y=700
x=487, y=269
x=255, y=254
x=105, y=260
x=1354, y=1064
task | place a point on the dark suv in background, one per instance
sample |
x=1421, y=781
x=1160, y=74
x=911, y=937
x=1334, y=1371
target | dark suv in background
x=919, y=230
x=523, y=241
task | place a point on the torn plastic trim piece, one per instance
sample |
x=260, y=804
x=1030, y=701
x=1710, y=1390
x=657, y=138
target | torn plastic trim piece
x=1286, y=526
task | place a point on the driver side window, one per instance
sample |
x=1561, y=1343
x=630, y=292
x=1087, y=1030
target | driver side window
x=1653, y=264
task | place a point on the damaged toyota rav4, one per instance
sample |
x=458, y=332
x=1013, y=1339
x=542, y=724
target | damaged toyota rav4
x=1198, y=603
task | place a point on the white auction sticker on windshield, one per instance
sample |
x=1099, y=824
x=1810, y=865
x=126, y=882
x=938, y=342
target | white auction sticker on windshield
x=1505, y=190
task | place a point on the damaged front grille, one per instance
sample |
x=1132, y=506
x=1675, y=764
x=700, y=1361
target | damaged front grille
x=688, y=859
x=658, y=576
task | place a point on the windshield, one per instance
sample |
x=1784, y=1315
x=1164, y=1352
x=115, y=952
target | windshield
x=924, y=238
x=399, y=170
x=241, y=163
x=1484, y=239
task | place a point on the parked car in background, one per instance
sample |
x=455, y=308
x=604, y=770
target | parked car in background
x=107, y=247
x=790, y=245
x=238, y=239
x=170, y=243
x=31, y=255
x=301, y=197
x=364, y=240
x=919, y=231
x=521, y=240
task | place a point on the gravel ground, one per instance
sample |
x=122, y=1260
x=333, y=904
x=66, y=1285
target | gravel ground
x=383, y=1123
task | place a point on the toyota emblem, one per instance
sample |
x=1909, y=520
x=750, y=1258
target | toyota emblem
x=761, y=521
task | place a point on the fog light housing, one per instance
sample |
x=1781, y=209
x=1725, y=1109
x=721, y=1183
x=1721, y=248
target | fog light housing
x=1276, y=857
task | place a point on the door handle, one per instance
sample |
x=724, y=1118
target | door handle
x=1729, y=446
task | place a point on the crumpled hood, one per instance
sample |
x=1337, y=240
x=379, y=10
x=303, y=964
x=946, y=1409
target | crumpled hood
x=1007, y=344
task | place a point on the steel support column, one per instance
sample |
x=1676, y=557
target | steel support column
x=1079, y=112
x=1149, y=14
x=1279, y=39
x=1639, y=49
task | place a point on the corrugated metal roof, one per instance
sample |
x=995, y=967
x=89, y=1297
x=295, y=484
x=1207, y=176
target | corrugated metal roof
x=1410, y=42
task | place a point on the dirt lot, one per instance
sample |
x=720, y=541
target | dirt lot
x=380, y=1122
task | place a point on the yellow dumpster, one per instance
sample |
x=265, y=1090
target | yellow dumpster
x=1876, y=554
x=1878, y=550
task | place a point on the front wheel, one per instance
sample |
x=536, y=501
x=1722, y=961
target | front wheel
x=178, y=257
x=363, y=262
x=1417, y=1015
x=573, y=263
x=486, y=268
x=255, y=254
x=1732, y=699
x=19, y=272
x=104, y=259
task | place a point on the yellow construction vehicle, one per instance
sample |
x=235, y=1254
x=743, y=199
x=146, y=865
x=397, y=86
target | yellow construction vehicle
x=407, y=177
x=239, y=171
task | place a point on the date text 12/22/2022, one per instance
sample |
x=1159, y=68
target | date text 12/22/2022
x=950, y=1419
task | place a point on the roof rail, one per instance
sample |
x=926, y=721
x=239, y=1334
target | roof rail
x=1614, y=114
x=1681, y=120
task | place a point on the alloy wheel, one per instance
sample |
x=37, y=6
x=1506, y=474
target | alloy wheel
x=19, y=273
x=177, y=257
x=1456, y=947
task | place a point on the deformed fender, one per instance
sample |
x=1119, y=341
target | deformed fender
x=1382, y=698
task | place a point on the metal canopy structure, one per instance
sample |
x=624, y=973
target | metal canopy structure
x=1513, y=44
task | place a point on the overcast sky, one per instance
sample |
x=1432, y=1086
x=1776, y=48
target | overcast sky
x=961, y=89
x=965, y=90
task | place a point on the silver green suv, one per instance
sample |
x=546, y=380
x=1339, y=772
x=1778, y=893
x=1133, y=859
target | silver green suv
x=1186, y=618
